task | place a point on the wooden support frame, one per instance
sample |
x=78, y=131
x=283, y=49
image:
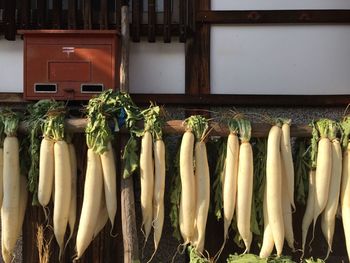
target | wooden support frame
x=274, y=16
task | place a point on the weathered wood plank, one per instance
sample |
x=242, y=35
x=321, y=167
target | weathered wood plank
x=103, y=14
x=72, y=14
x=57, y=14
x=9, y=18
x=87, y=14
x=167, y=21
x=41, y=14
x=182, y=19
x=136, y=19
x=24, y=14
x=274, y=16
x=151, y=20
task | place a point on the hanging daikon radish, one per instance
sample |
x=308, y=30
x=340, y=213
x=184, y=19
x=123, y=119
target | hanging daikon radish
x=244, y=184
x=287, y=160
x=274, y=187
x=229, y=187
x=62, y=176
x=188, y=194
x=199, y=126
x=330, y=211
x=73, y=200
x=2, y=137
x=11, y=182
x=268, y=243
x=323, y=169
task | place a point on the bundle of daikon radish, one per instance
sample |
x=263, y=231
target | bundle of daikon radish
x=237, y=181
x=152, y=175
x=13, y=185
x=279, y=191
x=325, y=181
x=57, y=174
x=195, y=183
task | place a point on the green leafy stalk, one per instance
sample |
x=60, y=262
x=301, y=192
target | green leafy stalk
x=198, y=125
x=98, y=133
x=245, y=130
x=259, y=157
x=345, y=125
x=195, y=257
x=219, y=174
x=322, y=126
x=302, y=168
x=314, y=146
x=54, y=123
x=153, y=121
x=175, y=197
x=334, y=129
x=10, y=120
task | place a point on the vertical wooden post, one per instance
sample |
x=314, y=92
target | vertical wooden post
x=130, y=240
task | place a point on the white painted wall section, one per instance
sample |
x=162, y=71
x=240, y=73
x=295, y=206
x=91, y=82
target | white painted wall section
x=280, y=59
x=278, y=4
x=157, y=67
x=11, y=66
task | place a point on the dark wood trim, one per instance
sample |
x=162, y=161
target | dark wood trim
x=87, y=14
x=72, y=14
x=9, y=20
x=136, y=20
x=57, y=14
x=103, y=14
x=182, y=20
x=118, y=6
x=244, y=100
x=41, y=15
x=25, y=13
x=274, y=16
x=197, y=58
x=167, y=21
x=151, y=21
x=217, y=100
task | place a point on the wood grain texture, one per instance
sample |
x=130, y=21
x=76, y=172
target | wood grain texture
x=136, y=20
x=151, y=20
x=274, y=16
x=167, y=21
x=72, y=14
x=57, y=14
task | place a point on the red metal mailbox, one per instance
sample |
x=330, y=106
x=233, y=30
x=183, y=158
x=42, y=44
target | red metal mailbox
x=69, y=64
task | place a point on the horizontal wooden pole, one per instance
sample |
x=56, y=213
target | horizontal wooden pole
x=321, y=16
x=11, y=98
x=176, y=127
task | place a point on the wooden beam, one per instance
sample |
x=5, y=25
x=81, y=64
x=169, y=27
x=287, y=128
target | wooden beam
x=182, y=20
x=87, y=14
x=274, y=16
x=129, y=229
x=136, y=20
x=9, y=18
x=72, y=14
x=41, y=15
x=25, y=14
x=175, y=127
x=16, y=99
x=57, y=14
x=151, y=20
x=104, y=14
x=167, y=21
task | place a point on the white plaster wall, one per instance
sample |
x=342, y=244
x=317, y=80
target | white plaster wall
x=11, y=66
x=276, y=59
x=157, y=67
x=279, y=4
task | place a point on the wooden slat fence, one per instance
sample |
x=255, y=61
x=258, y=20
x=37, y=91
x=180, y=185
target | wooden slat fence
x=155, y=20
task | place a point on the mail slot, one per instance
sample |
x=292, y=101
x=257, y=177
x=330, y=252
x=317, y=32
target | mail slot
x=70, y=64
